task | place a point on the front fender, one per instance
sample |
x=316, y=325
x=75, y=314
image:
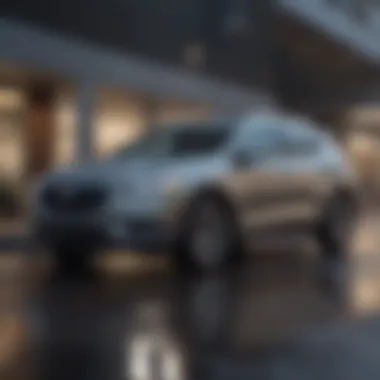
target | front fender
x=180, y=206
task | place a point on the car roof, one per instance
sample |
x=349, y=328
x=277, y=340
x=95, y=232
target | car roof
x=199, y=123
x=232, y=121
x=221, y=120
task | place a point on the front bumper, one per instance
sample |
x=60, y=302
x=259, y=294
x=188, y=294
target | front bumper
x=139, y=234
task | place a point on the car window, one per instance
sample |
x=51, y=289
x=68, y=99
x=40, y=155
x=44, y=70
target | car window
x=299, y=139
x=198, y=141
x=262, y=136
x=151, y=143
x=263, y=142
x=177, y=141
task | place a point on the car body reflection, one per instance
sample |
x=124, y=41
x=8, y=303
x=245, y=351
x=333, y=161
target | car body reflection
x=152, y=350
x=172, y=326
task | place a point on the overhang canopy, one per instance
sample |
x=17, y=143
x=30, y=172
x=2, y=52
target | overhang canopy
x=43, y=50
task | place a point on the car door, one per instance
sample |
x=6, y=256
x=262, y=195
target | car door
x=256, y=182
x=297, y=176
x=322, y=166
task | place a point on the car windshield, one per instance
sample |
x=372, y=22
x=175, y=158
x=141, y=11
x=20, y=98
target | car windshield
x=177, y=142
x=198, y=141
x=149, y=143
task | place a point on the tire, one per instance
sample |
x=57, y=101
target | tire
x=72, y=261
x=208, y=236
x=335, y=227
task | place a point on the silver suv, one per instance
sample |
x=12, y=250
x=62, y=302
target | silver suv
x=200, y=191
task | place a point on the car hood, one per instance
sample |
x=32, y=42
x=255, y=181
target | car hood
x=104, y=171
x=140, y=170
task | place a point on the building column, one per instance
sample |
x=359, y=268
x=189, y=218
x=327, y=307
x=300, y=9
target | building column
x=39, y=129
x=85, y=118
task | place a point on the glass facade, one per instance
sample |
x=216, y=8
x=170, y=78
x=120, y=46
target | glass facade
x=118, y=119
x=11, y=136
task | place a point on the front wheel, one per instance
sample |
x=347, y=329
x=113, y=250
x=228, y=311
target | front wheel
x=209, y=236
x=71, y=260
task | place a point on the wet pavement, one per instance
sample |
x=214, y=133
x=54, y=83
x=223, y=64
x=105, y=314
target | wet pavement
x=178, y=326
x=285, y=314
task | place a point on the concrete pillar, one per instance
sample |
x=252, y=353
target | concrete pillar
x=85, y=116
x=39, y=129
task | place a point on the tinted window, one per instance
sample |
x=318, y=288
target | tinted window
x=263, y=136
x=152, y=143
x=299, y=139
x=197, y=141
x=175, y=142
x=267, y=141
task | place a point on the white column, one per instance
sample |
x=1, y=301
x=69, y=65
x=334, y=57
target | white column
x=86, y=107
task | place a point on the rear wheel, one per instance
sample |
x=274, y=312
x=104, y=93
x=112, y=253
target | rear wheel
x=334, y=229
x=208, y=237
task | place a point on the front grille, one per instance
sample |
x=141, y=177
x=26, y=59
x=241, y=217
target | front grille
x=73, y=198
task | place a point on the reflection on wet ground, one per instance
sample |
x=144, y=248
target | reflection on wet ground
x=162, y=325
x=169, y=325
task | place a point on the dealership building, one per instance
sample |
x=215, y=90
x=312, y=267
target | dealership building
x=77, y=79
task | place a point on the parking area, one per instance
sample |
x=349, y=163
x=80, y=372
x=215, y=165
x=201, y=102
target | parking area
x=276, y=316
